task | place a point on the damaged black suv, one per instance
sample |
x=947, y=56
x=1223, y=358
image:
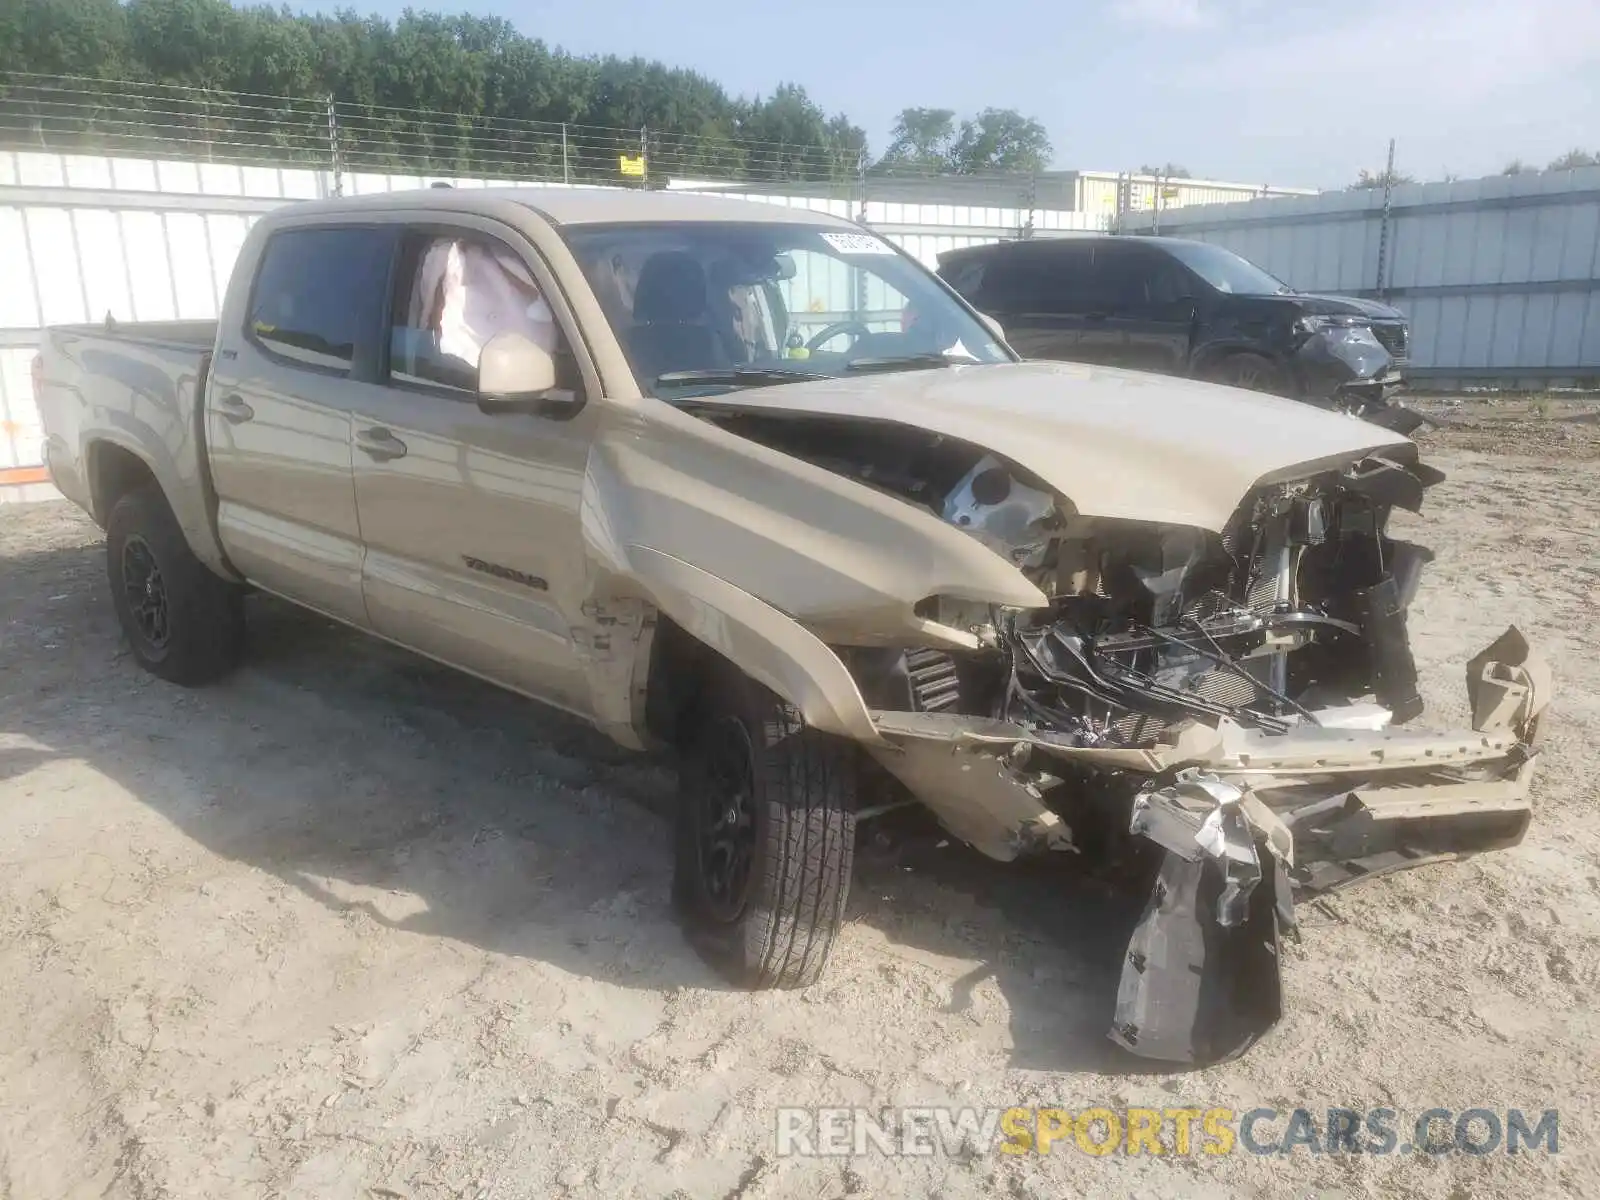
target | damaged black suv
x=1188, y=308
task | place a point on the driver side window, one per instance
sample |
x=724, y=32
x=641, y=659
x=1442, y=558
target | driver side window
x=452, y=294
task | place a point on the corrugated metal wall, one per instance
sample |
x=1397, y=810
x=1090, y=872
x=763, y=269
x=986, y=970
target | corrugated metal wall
x=1500, y=276
x=21, y=438
x=83, y=236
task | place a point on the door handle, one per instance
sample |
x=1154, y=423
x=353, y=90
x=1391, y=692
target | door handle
x=234, y=409
x=379, y=444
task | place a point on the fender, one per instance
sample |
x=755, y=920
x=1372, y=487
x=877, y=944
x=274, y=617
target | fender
x=766, y=645
x=156, y=415
x=188, y=496
x=94, y=470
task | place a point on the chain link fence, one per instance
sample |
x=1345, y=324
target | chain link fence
x=70, y=115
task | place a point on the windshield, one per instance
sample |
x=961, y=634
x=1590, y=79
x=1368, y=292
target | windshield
x=704, y=306
x=1226, y=271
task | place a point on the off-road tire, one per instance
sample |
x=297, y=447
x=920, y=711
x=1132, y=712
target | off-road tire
x=802, y=802
x=204, y=614
x=1251, y=371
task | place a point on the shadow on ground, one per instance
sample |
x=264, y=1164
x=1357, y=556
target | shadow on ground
x=356, y=772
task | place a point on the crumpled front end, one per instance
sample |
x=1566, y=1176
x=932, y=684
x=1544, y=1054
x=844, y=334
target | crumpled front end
x=1356, y=366
x=1237, y=702
x=1180, y=629
x=1248, y=819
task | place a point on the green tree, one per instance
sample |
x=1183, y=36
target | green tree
x=929, y=141
x=69, y=37
x=1380, y=179
x=787, y=136
x=921, y=142
x=847, y=146
x=428, y=91
x=65, y=37
x=1573, y=159
x=1000, y=139
x=1517, y=167
x=1169, y=171
x=197, y=43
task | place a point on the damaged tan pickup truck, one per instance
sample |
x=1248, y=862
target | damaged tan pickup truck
x=749, y=482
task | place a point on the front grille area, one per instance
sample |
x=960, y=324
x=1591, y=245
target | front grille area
x=1396, y=339
x=935, y=684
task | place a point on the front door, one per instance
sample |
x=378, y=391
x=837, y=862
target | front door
x=470, y=522
x=294, y=356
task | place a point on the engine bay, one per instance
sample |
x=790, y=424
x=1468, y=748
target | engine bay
x=1295, y=614
x=1206, y=706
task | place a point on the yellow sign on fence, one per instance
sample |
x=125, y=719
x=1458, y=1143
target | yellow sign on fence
x=631, y=164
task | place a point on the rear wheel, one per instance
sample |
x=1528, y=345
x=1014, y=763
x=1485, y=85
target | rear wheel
x=765, y=838
x=1251, y=371
x=182, y=622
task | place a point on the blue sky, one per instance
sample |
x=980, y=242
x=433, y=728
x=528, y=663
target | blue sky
x=1265, y=91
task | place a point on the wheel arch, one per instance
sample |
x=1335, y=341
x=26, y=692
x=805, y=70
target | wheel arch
x=114, y=470
x=705, y=626
x=1208, y=357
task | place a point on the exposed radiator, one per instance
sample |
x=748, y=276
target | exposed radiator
x=935, y=686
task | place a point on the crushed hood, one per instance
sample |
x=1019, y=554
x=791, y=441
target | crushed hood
x=1316, y=302
x=1119, y=444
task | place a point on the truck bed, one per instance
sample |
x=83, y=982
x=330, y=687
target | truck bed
x=169, y=335
x=130, y=397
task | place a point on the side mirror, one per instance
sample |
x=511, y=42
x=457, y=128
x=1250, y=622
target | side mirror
x=516, y=375
x=994, y=326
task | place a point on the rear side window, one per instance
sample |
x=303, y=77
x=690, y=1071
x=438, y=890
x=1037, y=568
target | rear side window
x=318, y=292
x=1046, y=280
x=1121, y=278
x=1134, y=279
x=966, y=276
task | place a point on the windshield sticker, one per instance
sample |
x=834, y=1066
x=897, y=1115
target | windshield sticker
x=857, y=243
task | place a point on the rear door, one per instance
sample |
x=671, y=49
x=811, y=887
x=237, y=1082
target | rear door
x=296, y=351
x=1143, y=309
x=1039, y=292
x=474, y=552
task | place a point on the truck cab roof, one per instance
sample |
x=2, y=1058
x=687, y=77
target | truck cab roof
x=576, y=205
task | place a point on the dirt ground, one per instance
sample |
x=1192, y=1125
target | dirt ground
x=351, y=926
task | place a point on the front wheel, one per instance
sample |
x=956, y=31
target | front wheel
x=765, y=838
x=1251, y=371
x=183, y=623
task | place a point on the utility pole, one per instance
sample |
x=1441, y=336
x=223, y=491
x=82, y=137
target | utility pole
x=566, y=170
x=861, y=193
x=1383, y=226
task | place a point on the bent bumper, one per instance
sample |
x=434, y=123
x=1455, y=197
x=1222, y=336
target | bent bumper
x=1322, y=794
x=1348, y=365
x=1246, y=820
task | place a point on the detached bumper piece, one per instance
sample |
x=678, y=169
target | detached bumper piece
x=1194, y=990
x=1246, y=820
